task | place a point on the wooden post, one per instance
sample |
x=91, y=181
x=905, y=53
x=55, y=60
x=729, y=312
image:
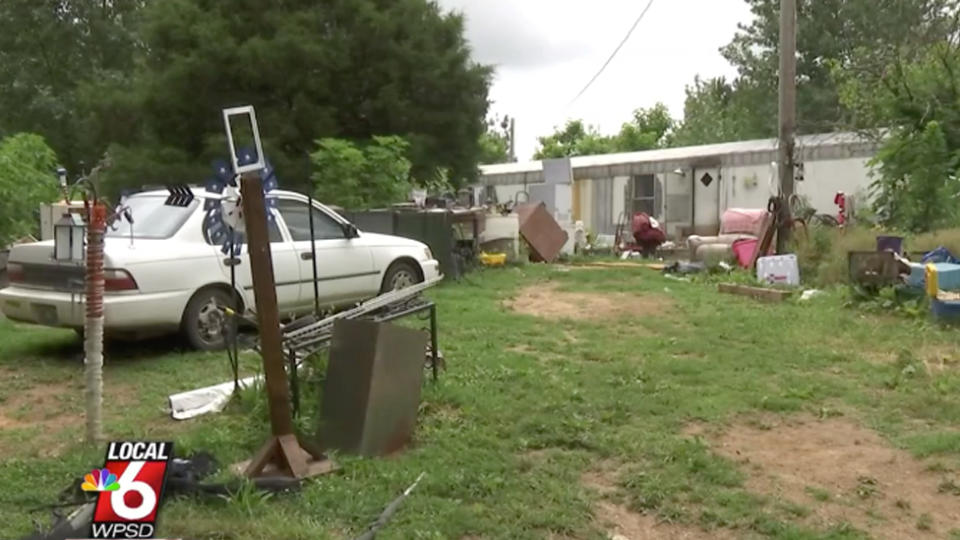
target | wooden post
x=788, y=116
x=283, y=452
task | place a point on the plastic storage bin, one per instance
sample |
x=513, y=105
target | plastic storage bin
x=947, y=311
x=946, y=276
x=779, y=269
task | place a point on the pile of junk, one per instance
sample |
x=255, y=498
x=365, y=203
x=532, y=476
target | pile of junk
x=933, y=274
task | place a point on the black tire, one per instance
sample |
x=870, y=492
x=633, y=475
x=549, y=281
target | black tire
x=202, y=324
x=399, y=275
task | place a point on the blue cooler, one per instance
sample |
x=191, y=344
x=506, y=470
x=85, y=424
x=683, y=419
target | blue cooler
x=948, y=276
x=945, y=310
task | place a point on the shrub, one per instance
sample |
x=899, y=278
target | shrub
x=27, y=179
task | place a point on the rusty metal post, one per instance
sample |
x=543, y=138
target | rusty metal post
x=93, y=324
x=265, y=295
x=284, y=451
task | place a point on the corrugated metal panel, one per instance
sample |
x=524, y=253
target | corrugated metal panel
x=745, y=153
x=603, y=218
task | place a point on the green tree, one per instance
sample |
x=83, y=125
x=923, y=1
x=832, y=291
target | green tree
x=371, y=175
x=575, y=139
x=916, y=97
x=27, y=179
x=495, y=141
x=648, y=129
x=716, y=111
x=917, y=185
x=347, y=69
x=51, y=50
x=831, y=33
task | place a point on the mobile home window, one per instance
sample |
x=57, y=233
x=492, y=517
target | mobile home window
x=643, y=195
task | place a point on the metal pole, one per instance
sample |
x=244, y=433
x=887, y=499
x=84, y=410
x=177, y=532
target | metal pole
x=265, y=294
x=513, y=150
x=434, y=353
x=93, y=325
x=313, y=259
x=788, y=116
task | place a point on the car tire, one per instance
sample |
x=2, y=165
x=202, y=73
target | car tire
x=400, y=275
x=202, y=324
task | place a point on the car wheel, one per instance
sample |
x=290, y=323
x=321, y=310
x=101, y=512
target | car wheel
x=203, y=322
x=400, y=275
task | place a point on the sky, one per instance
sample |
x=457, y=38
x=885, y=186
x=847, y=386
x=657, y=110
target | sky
x=545, y=51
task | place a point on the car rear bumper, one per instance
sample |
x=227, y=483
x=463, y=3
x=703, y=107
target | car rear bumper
x=121, y=311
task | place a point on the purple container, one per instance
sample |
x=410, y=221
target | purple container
x=890, y=243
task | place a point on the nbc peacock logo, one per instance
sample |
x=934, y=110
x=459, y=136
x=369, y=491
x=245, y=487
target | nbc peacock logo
x=100, y=480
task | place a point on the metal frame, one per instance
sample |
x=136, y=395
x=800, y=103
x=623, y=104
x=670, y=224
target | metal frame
x=240, y=111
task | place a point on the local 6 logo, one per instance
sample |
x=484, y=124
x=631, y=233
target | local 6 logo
x=130, y=487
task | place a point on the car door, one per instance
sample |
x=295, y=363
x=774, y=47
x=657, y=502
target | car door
x=344, y=267
x=286, y=269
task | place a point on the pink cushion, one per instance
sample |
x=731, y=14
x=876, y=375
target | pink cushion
x=743, y=221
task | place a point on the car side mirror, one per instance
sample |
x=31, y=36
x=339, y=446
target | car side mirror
x=350, y=231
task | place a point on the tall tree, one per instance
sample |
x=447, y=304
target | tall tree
x=831, y=33
x=51, y=49
x=915, y=97
x=348, y=69
x=717, y=111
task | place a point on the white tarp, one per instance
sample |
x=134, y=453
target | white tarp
x=193, y=403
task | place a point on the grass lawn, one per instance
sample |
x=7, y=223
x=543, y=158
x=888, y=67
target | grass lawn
x=578, y=403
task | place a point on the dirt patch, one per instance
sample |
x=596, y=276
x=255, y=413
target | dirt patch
x=548, y=302
x=602, y=478
x=44, y=417
x=621, y=523
x=843, y=473
x=47, y=404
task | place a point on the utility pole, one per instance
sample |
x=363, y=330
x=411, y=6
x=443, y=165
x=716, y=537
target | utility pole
x=788, y=116
x=513, y=148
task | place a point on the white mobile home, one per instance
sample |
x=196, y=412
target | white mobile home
x=688, y=188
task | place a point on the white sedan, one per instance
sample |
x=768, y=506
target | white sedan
x=163, y=274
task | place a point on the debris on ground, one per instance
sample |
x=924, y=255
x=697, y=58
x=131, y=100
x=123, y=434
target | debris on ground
x=389, y=511
x=809, y=294
x=685, y=268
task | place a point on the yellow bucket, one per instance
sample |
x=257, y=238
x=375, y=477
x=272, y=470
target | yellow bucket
x=493, y=259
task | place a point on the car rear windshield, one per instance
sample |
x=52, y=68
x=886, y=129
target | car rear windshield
x=152, y=218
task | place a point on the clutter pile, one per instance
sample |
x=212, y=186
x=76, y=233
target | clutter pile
x=934, y=274
x=741, y=229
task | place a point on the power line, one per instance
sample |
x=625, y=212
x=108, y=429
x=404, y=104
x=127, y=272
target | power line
x=615, y=51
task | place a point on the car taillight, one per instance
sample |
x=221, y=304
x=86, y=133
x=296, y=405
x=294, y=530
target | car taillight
x=118, y=280
x=15, y=272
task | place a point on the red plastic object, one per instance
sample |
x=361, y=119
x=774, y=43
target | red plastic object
x=744, y=249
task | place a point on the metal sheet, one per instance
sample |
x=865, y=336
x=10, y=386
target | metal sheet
x=603, y=218
x=541, y=232
x=372, y=389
